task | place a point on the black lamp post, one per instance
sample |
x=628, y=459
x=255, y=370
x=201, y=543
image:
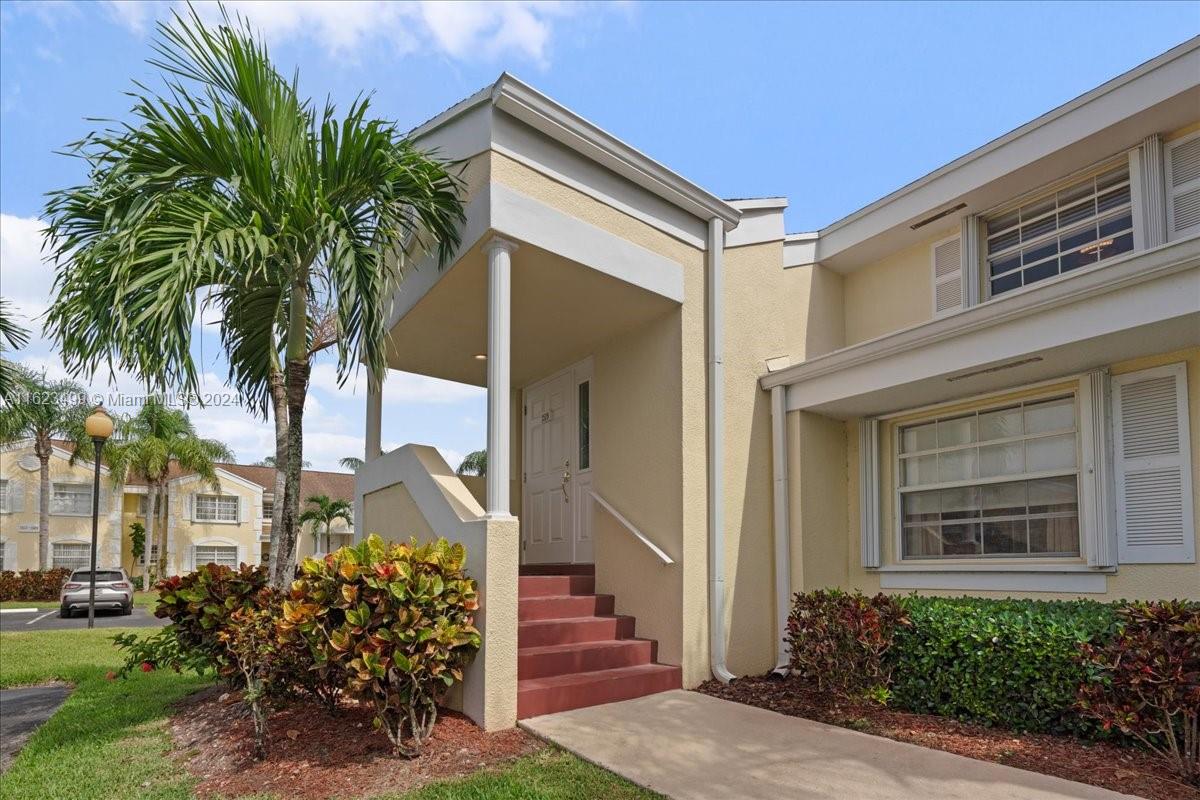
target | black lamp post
x=99, y=426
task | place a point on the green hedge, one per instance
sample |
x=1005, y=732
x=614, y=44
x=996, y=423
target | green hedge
x=1007, y=663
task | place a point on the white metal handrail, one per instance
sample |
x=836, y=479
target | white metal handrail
x=629, y=526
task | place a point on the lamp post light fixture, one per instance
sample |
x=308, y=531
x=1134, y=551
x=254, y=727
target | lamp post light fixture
x=99, y=426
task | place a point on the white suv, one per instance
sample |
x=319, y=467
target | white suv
x=113, y=592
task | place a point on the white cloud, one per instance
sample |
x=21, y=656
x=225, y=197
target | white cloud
x=399, y=387
x=463, y=29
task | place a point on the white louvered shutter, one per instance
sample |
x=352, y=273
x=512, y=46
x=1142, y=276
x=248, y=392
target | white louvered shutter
x=16, y=495
x=947, y=276
x=191, y=507
x=1183, y=187
x=1153, y=467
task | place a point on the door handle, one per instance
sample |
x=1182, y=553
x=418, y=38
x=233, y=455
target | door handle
x=563, y=485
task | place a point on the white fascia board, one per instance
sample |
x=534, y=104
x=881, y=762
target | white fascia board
x=222, y=475
x=517, y=216
x=535, y=109
x=1159, y=79
x=800, y=249
x=762, y=221
x=1151, y=286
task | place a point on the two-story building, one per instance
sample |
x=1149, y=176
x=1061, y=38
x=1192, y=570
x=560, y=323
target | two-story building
x=227, y=524
x=986, y=382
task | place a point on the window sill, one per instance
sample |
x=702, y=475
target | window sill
x=215, y=522
x=1068, y=578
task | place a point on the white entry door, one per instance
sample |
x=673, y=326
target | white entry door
x=555, y=525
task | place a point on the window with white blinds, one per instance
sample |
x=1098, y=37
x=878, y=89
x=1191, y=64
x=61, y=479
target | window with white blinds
x=1152, y=455
x=1183, y=186
x=226, y=556
x=1000, y=482
x=71, y=555
x=3, y=497
x=215, y=508
x=1074, y=227
x=71, y=499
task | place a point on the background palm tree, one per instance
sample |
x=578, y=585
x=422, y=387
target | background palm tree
x=474, y=464
x=322, y=512
x=12, y=337
x=270, y=461
x=352, y=463
x=147, y=444
x=229, y=185
x=43, y=410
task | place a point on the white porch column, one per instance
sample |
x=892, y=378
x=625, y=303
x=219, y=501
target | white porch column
x=499, y=442
x=374, y=448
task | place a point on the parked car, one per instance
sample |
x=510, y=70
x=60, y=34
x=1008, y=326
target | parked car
x=114, y=591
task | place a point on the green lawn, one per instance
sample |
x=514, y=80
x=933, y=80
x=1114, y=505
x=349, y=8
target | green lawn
x=109, y=739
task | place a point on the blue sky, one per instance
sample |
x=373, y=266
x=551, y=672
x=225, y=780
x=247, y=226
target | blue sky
x=829, y=105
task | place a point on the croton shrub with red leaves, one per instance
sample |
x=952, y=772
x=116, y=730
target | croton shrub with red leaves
x=32, y=585
x=841, y=640
x=1145, y=681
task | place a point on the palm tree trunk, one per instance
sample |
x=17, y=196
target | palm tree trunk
x=42, y=449
x=161, y=510
x=279, y=412
x=298, y=369
x=148, y=543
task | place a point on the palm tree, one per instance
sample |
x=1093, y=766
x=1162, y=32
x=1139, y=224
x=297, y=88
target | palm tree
x=322, y=512
x=12, y=337
x=42, y=410
x=230, y=186
x=351, y=463
x=271, y=461
x=474, y=464
x=149, y=443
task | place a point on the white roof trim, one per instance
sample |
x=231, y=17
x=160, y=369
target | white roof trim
x=759, y=203
x=523, y=102
x=800, y=249
x=1182, y=51
x=222, y=475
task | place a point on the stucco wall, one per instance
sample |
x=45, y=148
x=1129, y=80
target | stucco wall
x=1142, y=581
x=20, y=527
x=893, y=293
x=184, y=532
x=393, y=514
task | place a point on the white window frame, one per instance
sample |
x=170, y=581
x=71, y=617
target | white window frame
x=217, y=499
x=87, y=554
x=898, y=491
x=214, y=546
x=4, y=484
x=88, y=490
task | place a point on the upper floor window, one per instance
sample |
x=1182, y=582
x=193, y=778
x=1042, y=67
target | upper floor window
x=268, y=510
x=216, y=508
x=1082, y=224
x=73, y=499
x=999, y=482
x=3, y=496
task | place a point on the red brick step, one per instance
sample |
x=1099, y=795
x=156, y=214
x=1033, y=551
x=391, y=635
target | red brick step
x=555, y=585
x=538, y=696
x=542, y=632
x=565, y=606
x=563, y=659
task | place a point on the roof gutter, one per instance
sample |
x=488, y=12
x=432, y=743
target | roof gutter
x=715, y=334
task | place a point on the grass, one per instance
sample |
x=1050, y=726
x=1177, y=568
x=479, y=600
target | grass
x=109, y=739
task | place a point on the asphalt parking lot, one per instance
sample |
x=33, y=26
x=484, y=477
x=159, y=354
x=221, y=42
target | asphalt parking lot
x=46, y=619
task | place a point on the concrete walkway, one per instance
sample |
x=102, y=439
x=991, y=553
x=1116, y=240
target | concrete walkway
x=22, y=711
x=689, y=746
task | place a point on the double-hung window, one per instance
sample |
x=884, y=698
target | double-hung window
x=216, y=508
x=71, y=499
x=999, y=482
x=3, y=496
x=1082, y=224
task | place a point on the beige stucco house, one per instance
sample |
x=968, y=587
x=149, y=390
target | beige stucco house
x=986, y=382
x=227, y=525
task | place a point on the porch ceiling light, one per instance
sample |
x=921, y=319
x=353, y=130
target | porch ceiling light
x=481, y=356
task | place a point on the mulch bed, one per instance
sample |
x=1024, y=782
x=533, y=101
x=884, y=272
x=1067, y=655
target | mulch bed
x=313, y=755
x=1121, y=769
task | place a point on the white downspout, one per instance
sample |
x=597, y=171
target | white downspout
x=783, y=537
x=714, y=257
